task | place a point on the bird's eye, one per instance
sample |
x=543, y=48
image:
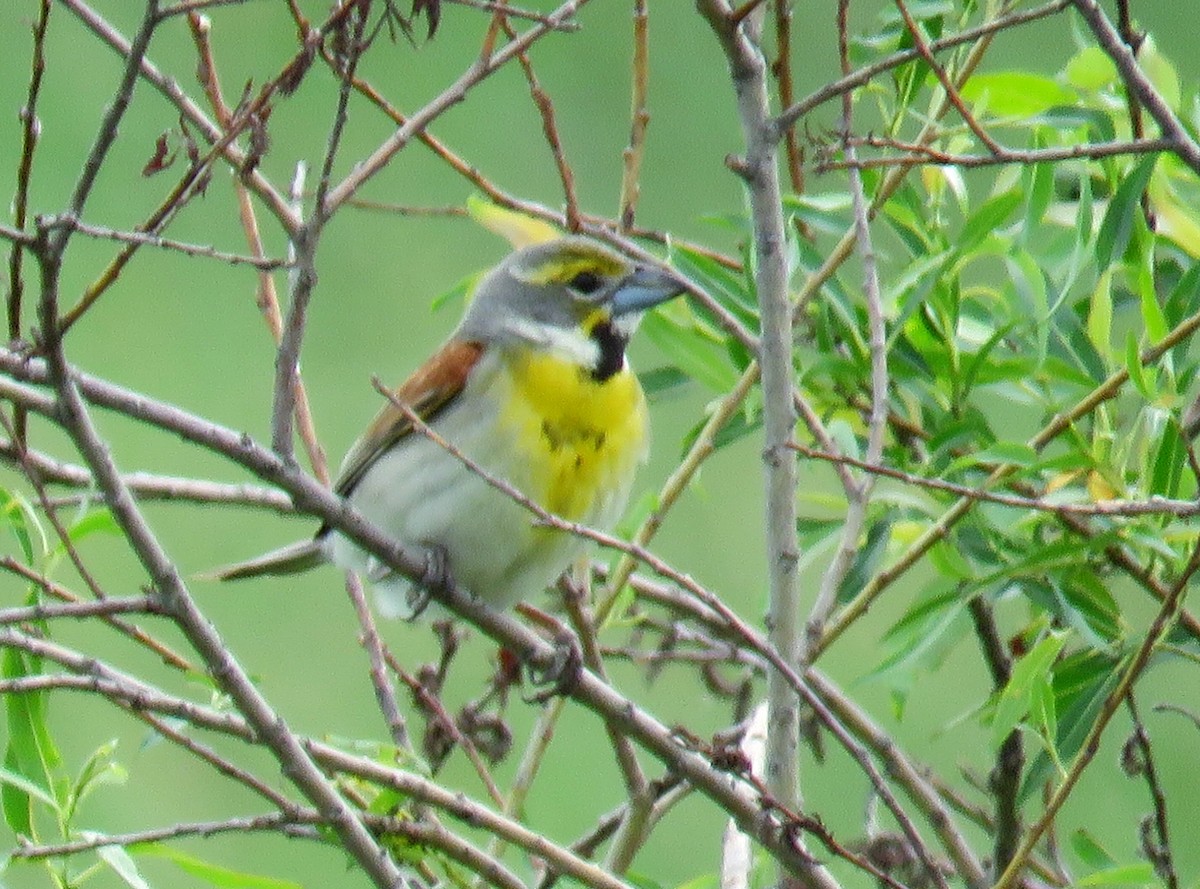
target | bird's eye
x=585, y=282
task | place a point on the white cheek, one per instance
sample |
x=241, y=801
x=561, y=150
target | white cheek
x=570, y=345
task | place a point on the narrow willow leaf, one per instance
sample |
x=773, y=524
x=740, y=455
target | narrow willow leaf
x=991, y=215
x=1082, y=682
x=213, y=874
x=690, y=349
x=1016, y=698
x=1141, y=377
x=1100, y=315
x=1125, y=205
x=1090, y=851
x=1138, y=874
x=1153, y=319
x=123, y=866
x=1169, y=459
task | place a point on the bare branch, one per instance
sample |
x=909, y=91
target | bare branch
x=449, y=97
x=1138, y=84
x=740, y=38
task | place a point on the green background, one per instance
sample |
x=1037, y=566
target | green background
x=187, y=331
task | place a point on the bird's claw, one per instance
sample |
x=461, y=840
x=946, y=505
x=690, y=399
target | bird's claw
x=559, y=674
x=435, y=578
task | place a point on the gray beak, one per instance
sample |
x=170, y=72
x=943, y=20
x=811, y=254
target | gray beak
x=643, y=289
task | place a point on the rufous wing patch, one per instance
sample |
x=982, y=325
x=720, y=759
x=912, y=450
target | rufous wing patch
x=432, y=387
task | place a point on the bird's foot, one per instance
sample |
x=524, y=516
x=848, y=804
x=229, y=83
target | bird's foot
x=559, y=673
x=435, y=578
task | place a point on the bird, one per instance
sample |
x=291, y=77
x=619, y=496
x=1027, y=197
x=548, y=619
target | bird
x=534, y=387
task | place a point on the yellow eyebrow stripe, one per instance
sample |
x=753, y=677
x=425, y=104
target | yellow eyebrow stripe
x=562, y=271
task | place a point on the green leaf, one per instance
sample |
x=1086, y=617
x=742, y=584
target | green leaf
x=689, y=346
x=1139, y=874
x=100, y=768
x=923, y=634
x=1100, y=315
x=1091, y=69
x=1169, y=459
x=1090, y=852
x=9, y=777
x=1082, y=682
x=1089, y=606
x=660, y=383
x=1017, y=697
x=989, y=217
x=1141, y=377
x=15, y=799
x=94, y=521
x=1011, y=453
x=1160, y=71
x=1039, y=190
x=867, y=559
x=1029, y=281
x=1152, y=313
x=1125, y=206
x=459, y=295
x=1016, y=93
x=20, y=518
x=728, y=286
x=123, y=865
x=1043, y=713
x=214, y=875
x=31, y=752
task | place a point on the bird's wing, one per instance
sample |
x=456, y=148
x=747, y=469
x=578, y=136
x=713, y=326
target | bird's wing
x=428, y=391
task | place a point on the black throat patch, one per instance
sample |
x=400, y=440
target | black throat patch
x=612, y=351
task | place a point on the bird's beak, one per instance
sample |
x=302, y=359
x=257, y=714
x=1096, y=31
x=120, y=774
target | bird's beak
x=643, y=289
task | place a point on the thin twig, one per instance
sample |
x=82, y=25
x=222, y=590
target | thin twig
x=635, y=826
x=951, y=90
x=30, y=130
x=917, y=154
x=782, y=69
x=146, y=485
x=268, y=296
x=106, y=132
x=1138, y=84
x=983, y=33
x=1153, y=505
x=305, y=241
x=274, y=822
x=143, y=239
x=739, y=36
x=631, y=157
x=385, y=694
x=1005, y=778
x=430, y=703
x=447, y=99
x=858, y=495
x=310, y=497
x=73, y=610
x=1159, y=852
x=545, y=107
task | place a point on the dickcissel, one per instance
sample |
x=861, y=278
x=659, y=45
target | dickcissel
x=535, y=388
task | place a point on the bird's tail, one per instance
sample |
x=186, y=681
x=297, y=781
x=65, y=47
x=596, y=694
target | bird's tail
x=291, y=559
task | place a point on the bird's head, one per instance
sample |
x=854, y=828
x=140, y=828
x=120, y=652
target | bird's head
x=571, y=296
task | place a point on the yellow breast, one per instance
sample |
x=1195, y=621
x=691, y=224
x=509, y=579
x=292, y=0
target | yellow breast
x=581, y=440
